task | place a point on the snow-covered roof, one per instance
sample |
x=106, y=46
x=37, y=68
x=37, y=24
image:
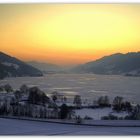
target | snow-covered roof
x=24, y=98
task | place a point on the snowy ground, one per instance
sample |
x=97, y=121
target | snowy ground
x=96, y=114
x=23, y=127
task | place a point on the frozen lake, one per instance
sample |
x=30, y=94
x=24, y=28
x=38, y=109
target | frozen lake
x=89, y=86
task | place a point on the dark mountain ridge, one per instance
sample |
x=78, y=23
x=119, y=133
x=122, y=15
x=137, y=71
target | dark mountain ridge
x=118, y=63
x=13, y=67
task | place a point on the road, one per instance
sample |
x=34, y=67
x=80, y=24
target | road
x=24, y=127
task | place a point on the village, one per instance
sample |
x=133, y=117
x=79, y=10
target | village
x=34, y=103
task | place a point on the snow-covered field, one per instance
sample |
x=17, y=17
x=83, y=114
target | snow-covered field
x=23, y=127
x=96, y=114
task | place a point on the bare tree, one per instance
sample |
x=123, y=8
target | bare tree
x=77, y=101
x=18, y=95
x=24, y=89
x=54, y=96
x=8, y=88
x=106, y=100
x=117, y=103
x=1, y=88
x=103, y=101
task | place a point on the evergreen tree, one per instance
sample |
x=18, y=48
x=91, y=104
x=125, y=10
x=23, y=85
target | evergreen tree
x=64, y=110
x=36, y=96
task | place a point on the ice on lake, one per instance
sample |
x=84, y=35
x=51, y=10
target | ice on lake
x=89, y=86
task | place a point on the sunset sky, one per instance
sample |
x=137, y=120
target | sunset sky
x=68, y=34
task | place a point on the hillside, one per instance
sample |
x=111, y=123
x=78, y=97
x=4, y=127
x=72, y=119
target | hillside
x=126, y=64
x=13, y=67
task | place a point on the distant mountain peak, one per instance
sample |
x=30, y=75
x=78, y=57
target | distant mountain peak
x=46, y=67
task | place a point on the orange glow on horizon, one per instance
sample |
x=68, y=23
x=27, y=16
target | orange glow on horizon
x=68, y=34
